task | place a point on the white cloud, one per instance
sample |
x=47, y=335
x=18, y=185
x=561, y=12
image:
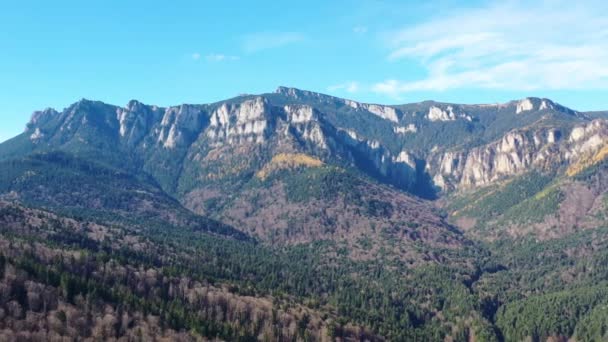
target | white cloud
x=511, y=45
x=269, y=40
x=360, y=29
x=196, y=56
x=350, y=87
x=218, y=57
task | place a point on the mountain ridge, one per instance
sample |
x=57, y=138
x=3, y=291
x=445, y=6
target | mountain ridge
x=208, y=155
x=181, y=124
x=286, y=90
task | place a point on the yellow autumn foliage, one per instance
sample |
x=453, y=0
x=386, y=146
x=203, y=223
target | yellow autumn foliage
x=588, y=161
x=288, y=161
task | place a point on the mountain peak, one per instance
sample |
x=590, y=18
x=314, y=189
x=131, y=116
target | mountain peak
x=296, y=93
x=285, y=90
x=301, y=94
x=41, y=117
x=530, y=104
x=135, y=106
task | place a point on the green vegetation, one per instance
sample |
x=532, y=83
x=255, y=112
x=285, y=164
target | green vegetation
x=555, y=314
x=594, y=326
x=535, y=208
x=494, y=202
x=320, y=183
x=376, y=294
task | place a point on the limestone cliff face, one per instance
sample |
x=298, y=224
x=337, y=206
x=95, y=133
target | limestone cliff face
x=449, y=113
x=517, y=152
x=455, y=146
x=136, y=120
x=181, y=125
x=303, y=121
x=246, y=122
x=385, y=112
x=40, y=118
x=399, y=168
x=514, y=153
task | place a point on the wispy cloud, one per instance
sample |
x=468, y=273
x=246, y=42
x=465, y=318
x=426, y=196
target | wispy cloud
x=218, y=57
x=214, y=57
x=269, y=40
x=350, y=87
x=511, y=45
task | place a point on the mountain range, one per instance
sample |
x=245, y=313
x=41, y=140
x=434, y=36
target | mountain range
x=325, y=218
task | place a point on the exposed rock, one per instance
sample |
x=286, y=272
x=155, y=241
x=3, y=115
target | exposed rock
x=448, y=114
x=298, y=121
x=37, y=135
x=411, y=128
x=299, y=114
x=438, y=114
x=136, y=120
x=305, y=123
x=587, y=139
x=40, y=118
x=524, y=106
x=239, y=123
x=384, y=112
x=545, y=104
x=180, y=125
x=511, y=155
x=515, y=153
x=352, y=134
x=405, y=157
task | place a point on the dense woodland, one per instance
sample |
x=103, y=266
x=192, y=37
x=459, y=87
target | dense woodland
x=68, y=277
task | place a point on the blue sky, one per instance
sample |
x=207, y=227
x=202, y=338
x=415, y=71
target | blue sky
x=53, y=53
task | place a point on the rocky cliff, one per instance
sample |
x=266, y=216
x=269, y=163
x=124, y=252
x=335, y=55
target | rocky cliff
x=428, y=144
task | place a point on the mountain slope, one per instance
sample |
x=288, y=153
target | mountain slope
x=68, y=184
x=257, y=193
x=209, y=157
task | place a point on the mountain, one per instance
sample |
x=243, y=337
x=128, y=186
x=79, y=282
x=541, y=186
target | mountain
x=209, y=156
x=419, y=221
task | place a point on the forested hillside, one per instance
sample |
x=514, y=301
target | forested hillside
x=297, y=216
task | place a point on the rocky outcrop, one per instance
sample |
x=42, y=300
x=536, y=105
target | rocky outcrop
x=180, y=125
x=398, y=169
x=448, y=114
x=515, y=153
x=37, y=135
x=385, y=112
x=524, y=105
x=136, y=120
x=304, y=123
x=40, y=118
x=246, y=122
x=461, y=146
x=411, y=128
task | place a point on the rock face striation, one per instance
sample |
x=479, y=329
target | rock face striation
x=448, y=147
x=519, y=151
